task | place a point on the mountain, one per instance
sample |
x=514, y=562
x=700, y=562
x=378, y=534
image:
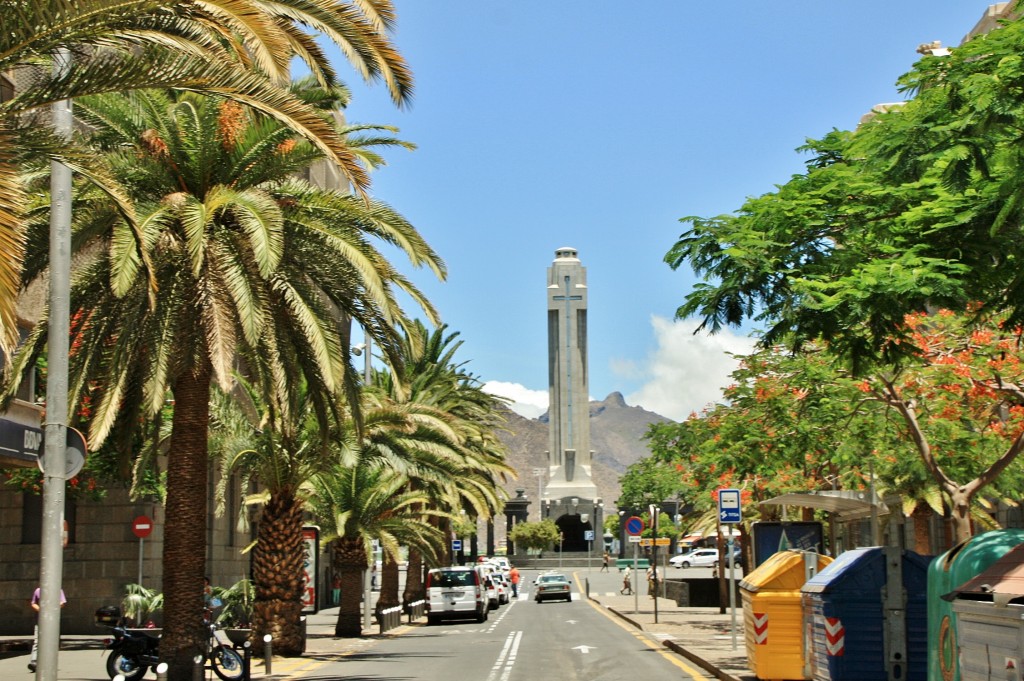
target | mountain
x=616, y=432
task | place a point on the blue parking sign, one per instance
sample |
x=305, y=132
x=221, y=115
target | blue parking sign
x=456, y=544
x=729, y=511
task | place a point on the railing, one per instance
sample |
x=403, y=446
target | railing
x=389, y=618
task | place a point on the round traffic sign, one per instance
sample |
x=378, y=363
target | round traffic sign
x=634, y=525
x=142, y=527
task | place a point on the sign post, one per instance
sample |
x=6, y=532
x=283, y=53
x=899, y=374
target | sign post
x=634, y=526
x=142, y=527
x=729, y=514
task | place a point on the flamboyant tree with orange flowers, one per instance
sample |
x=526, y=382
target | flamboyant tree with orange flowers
x=960, y=402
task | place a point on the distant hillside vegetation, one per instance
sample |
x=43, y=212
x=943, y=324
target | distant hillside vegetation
x=616, y=430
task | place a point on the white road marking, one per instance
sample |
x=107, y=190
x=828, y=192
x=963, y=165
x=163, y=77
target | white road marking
x=585, y=649
x=507, y=657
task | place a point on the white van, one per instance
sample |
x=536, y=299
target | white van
x=485, y=571
x=455, y=592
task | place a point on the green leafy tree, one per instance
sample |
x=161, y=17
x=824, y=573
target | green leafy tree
x=918, y=209
x=535, y=535
x=648, y=481
x=962, y=407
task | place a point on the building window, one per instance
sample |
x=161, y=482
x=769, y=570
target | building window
x=32, y=518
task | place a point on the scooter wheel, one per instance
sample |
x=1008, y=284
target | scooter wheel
x=128, y=667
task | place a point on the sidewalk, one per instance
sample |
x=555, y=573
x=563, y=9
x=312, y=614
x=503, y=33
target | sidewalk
x=702, y=635
x=82, y=657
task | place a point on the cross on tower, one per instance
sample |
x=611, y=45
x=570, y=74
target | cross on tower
x=568, y=350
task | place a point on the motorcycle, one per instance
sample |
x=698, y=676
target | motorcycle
x=132, y=652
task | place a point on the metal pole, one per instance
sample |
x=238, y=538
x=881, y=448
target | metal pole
x=367, y=586
x=874, y=507
x=51, y=558
x=732, y=584
x=268, y=655
x=140, y=560
x=655, y=511
x=636, y=597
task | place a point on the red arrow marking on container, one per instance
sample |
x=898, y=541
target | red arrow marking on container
x=760, y=628
x=835, y=637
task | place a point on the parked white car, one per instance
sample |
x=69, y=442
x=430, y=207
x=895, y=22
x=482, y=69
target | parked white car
x=455, y=593
x=696, y=558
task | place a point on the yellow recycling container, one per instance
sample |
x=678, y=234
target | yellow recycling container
x=773, y=614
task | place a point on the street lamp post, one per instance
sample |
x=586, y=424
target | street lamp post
x=365, y=348
x=539, y=474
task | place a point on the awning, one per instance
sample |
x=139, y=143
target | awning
x=848, y=504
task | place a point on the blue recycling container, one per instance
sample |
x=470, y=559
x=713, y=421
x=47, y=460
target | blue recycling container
x=845, y=618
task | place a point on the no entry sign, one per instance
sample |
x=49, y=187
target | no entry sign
x=142, y=526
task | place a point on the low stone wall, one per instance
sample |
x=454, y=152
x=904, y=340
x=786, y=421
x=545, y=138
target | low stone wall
x=696, y=593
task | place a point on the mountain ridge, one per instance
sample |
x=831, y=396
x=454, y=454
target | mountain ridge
x=616, y=436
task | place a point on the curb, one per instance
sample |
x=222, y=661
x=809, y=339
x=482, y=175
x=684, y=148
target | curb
x=699, y=661
x=675, y=647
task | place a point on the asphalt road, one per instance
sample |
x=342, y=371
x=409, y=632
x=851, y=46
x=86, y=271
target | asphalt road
x=521, y=641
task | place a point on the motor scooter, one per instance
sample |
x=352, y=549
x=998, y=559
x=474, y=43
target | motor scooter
x=132, y=651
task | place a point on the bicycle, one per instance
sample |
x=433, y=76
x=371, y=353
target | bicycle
x=223, y=659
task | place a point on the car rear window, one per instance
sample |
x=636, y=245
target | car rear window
x=452, y=578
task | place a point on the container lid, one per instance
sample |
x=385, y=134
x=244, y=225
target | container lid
x=783, y=571
x=864, y=569
x=1002, y=582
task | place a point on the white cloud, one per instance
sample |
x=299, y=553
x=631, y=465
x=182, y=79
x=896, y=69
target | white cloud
x=526, y=402
x=686, y=372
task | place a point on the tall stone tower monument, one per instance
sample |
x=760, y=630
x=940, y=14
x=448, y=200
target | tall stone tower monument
x=570, y=497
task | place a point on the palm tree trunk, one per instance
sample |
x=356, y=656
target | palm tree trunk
x=277, y=562
x=388, y=584
x=184, y=555
x=413, y=579
x=351, y=560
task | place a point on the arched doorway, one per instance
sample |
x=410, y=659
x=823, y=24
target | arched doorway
x=573, y=530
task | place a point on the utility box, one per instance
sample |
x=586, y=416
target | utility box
x=990, y=621
x=866, y=617
x=947, y=572
x=773, y=615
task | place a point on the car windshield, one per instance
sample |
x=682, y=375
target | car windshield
x=453, y=578
x=553, y=578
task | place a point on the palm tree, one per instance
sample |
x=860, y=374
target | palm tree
x=249, y=264
x=431, y=379
x=361, y=499
x=280, y=448
x=134, y=44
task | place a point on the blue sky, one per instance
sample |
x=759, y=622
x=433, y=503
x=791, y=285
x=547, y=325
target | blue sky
x=597, y=125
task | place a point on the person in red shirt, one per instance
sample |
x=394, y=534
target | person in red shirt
x=513, y=575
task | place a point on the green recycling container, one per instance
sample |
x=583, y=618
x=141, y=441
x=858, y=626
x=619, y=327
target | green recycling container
x=962, y=562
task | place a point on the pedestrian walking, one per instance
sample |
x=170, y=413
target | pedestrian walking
x=627, y=587
x=607, y=559
x=35, y=634
x=513, y=576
